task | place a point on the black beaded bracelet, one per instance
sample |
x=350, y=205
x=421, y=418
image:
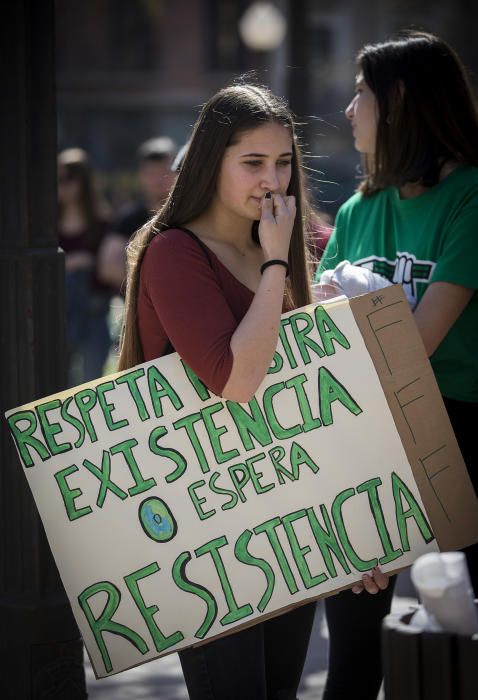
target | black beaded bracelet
x=268, y=263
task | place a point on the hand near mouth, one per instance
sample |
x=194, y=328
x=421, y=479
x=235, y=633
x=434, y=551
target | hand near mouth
x=276, y=224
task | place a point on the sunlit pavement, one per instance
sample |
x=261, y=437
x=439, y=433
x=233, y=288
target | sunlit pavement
x=163, y=680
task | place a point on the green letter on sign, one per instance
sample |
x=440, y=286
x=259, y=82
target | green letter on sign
x=235, y=612
x=330, y=390
x=104, y=623
x=25, y=437
x=400, y=492
x=70, y=495
x=243, y=555
x=160, y=641
x=185, y=584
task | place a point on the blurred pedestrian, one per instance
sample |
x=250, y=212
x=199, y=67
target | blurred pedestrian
x=156, y=177
x=414, y=220
x=83, y=223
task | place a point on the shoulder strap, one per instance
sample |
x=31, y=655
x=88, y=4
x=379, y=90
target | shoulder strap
x=198, y=241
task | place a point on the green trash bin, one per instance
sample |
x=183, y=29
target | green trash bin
x=427, y=665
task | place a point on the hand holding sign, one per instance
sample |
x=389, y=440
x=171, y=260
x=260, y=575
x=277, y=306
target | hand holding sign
x=372, y=583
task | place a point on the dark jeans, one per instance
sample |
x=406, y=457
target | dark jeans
x=355, y=621
x=263, y=662
x=355, y=624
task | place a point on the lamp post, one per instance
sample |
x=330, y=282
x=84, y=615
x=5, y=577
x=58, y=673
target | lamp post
x=298, y=83
x=263, y=28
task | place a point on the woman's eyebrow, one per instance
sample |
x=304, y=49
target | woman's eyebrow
x=262, y=155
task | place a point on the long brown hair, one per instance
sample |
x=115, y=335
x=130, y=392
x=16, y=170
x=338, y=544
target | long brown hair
x=228, y=114
x=426, y=110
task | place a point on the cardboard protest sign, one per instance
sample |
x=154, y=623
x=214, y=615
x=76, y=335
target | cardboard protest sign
x=175, y=516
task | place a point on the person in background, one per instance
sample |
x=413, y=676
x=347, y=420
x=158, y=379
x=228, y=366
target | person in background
x=156, y=177
x=83, y=223
x=414, y=220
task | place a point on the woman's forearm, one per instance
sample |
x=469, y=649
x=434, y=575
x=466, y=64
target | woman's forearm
x=255, y=340
x=438, y=310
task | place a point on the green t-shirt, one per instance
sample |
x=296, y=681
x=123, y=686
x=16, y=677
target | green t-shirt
x=429, y=238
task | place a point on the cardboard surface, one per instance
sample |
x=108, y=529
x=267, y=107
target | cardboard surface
x=407, y=378
x=176, y=517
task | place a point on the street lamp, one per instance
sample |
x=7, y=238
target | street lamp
x=262, y=27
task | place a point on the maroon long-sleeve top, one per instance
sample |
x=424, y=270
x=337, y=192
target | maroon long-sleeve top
x=189, y=297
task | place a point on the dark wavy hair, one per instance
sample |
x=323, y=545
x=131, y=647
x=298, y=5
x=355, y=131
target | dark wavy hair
x=426, y=110
x=230, y=113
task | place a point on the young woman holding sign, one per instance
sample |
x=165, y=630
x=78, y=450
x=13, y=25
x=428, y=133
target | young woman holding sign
x=209, y=277
x=207, y=281
x=414, y=221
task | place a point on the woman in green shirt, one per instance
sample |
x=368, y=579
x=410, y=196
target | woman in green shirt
x=414, y=220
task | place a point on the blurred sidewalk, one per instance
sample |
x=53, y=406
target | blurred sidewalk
x=163, y=679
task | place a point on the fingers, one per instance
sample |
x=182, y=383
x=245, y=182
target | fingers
x=381, y=579
x=267, y=207
x=276, y=225
x=377, y=581
x=369, y=584
x=283, y=206
x=290, y=204
x=277, y=205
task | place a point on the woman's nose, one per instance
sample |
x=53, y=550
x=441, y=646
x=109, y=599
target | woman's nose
x=270, y=181
x=350, y=109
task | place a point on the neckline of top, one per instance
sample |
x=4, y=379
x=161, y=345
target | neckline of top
x=429, y=193
x=213, y=254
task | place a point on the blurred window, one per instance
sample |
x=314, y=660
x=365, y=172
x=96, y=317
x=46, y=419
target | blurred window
x=107, y=35
x=133, y=26
x=227, y=52
x=320, y=40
